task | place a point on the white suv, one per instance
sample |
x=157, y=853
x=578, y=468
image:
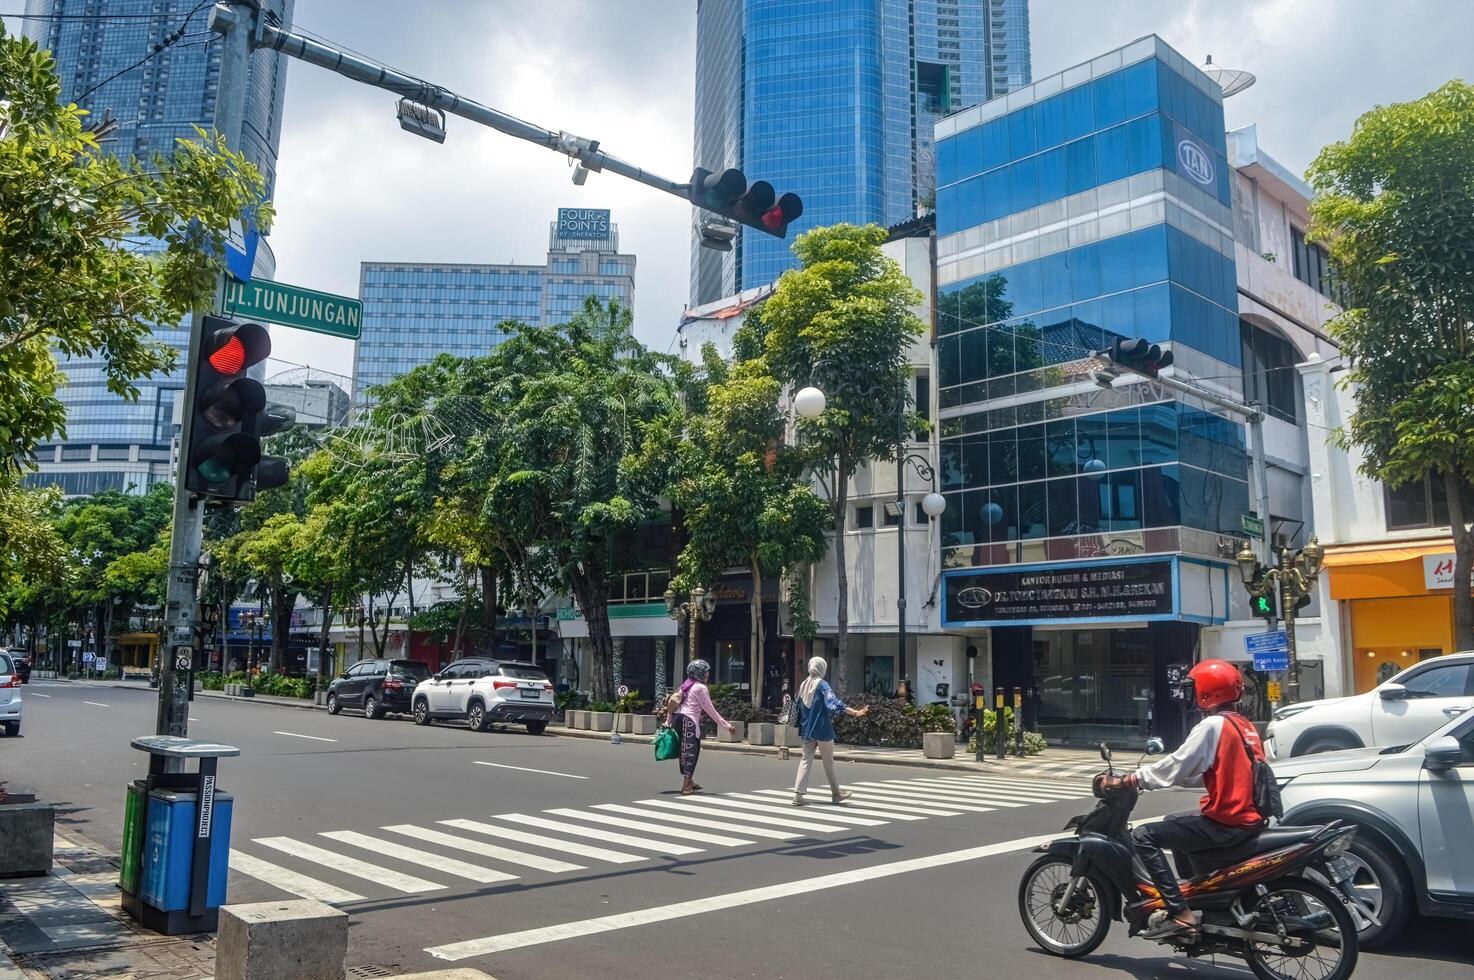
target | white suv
x=484, y=691
x=1400, y=711
x=10, y=702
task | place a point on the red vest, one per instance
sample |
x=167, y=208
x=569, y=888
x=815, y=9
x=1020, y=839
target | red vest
x=1230, y=780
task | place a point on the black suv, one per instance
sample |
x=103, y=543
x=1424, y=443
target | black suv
x=22, y=664
x=377, y=687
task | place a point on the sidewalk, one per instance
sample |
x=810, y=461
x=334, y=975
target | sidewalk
x=1055, y=762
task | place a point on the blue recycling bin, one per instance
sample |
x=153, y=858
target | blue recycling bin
x=168, y=850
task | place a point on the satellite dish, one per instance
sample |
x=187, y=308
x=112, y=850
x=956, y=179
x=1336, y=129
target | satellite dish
x=1231, y=80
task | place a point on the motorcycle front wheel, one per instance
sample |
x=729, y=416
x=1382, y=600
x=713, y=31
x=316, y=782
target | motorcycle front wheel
x=1072, y=932
x=1310, y=912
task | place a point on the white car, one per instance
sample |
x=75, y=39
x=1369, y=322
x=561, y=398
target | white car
x=10, y=701
x=483, y=691
x=1399, y=711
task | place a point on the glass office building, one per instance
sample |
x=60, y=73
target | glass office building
x=112, y=443
x=1088, y=530
x=415, y=311
x=835, y=100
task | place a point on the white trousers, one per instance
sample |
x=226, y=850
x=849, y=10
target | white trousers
x=826, y=753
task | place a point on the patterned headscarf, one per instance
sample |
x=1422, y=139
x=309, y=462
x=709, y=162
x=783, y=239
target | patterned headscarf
x=697, y=671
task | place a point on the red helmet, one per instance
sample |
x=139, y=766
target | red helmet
x=1216, y=683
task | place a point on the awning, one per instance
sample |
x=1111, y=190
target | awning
x=1377, y=554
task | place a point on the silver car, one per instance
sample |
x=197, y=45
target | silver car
x=10, y=700
x=1414, y=807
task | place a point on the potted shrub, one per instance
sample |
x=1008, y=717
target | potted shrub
x=601, y=716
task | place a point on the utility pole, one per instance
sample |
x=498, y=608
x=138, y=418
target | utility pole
x=233, y=20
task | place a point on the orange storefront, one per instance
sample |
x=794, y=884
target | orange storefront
x=1397, y=612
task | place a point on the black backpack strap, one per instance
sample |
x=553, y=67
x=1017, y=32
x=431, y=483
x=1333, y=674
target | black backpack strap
x=1243, y=739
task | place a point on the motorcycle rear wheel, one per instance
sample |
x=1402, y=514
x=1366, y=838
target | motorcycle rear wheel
x=1333, y=957
x=1070, y=936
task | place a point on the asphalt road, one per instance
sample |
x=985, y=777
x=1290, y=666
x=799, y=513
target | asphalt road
x=356, y=811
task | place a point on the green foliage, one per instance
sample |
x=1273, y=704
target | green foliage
x=31, y=550
x=282, y=686
x=631, y=704
x=66, y=285
x=891, y=722
x=570, y=700
x=1034, y=742
x=211, y=680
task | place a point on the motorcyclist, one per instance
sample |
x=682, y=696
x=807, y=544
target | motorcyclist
x=1213, y=757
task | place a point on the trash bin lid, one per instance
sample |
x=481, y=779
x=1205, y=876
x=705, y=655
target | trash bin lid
x=183, y=748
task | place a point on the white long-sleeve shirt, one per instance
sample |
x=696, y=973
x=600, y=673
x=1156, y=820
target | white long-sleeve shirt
x=1186, y=766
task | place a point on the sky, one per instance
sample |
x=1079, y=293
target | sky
x=352, y=186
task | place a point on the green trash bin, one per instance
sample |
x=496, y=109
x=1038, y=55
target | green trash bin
x=135, y=808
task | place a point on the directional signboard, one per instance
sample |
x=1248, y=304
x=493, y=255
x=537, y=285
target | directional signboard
x=293, y=306
x=1252, y=525
x=1271, y=651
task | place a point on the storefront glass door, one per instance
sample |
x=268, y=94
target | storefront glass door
x=1094, y=685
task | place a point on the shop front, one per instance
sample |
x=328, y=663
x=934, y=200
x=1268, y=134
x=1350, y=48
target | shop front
x=1091, y=644
x=1398, y=605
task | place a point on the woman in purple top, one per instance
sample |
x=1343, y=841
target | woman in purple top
x=694, y=700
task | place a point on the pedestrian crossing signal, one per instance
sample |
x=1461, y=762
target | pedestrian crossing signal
x=1264, y=606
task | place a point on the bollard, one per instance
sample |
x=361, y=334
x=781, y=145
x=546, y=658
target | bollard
x=1018, y=721
x=614, y=738
x=1000, y=724
x=977, y=728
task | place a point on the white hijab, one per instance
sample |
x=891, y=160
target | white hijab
x=810, y=687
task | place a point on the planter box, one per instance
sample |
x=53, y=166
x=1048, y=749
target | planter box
x=199, y=686
x=760, y=733
x=26, y=839
x=938, y=745
x=624, y=723
x=642, y=725
x=787, y=735
x=573, y=718
x=737, y=734
x=601, y=721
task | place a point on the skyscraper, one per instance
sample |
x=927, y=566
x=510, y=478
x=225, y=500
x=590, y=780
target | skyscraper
x=835, y=100
x=414, y=311
x=101, y=49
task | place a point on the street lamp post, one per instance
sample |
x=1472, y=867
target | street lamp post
x=1291, y=581
x=694, y=611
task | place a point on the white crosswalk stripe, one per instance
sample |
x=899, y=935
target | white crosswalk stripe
x=709, y=809
x=1053, y=787
x=887, y=792
x=431, y=836
x=290, y=881
x=830, y=814
x=667, y=848
x=652, y=828
x=875, y=805
x=428, y=859
x=983, y=794
x=350, y=866
x=819, y=808
x=542, y=840
x=685, y=819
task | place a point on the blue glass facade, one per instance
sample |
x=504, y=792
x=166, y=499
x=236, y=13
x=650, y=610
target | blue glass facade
x=154, y=104
x=1090, y=207
x=834, y=100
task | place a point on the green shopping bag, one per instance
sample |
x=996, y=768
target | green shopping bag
x=667, y=743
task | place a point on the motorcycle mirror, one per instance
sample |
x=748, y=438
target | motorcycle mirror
x=1105, y=752
x=1155, y=746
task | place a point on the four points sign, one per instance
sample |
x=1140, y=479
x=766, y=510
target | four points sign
x=293, y=306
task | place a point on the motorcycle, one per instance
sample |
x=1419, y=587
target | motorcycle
x=1282, y=900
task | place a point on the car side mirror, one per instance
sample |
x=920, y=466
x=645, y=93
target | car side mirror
x=1155, y=746
x=1442, y=753
x=1392, y=692
x=343, y=676
x=435, y=677
x=1105, y=753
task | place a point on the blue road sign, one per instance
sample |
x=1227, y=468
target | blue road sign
x=1271, y=661
x=1271, y=651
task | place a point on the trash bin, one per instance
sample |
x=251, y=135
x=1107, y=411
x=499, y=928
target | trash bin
x=176, y=837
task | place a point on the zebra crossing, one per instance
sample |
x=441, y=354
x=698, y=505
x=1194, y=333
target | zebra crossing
x=342, y=866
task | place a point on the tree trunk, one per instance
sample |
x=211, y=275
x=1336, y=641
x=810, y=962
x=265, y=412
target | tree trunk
x=759, y=667
x=460, y=629
x=322, y=643
x=282, y=602
x=1463, y=562
x=409, y=578
x=362, y=615
x=842, y=577
x=488, y=601
x=532, y=630
x=593, y=599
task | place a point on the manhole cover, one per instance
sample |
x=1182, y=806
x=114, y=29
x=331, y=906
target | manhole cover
x=368, y=972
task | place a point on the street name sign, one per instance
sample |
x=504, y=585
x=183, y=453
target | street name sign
x=1271, y=651
x=293, y=306
x=1252, y=525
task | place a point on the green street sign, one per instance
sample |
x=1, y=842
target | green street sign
x=293, y=306
x=1252, y=525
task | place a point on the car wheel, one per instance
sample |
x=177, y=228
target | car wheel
x=333, y=706
x=536, y=727
x=12, y=728
x=476, y=715
x=1381, y=883
x=371, y=707
x=422, y=711
x=1326, y=743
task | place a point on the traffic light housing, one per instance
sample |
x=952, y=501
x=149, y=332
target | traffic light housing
x=230, y=416
x=756, y=205
x=1141, y=356
x=1264, y=606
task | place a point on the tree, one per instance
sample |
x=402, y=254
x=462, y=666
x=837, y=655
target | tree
x=1395, y=206
x=841, y=321
x=93, y=250
x=31, y=550
x=744, y=503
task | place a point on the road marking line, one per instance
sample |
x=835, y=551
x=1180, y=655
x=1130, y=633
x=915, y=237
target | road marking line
x=194, y=719
x=767, y=796
x=716, y=903
x=652, y=828
x=932, y=797
x=61, y=841
x=541, y=840
x=830, y=814
x=290, y=881
x=35, y=695
x=461, y=869
x=986, y=793
x=896, y=796
x=97, y=704
x=713, y=811
x=687, y=820
x=430, y=836
x=870, y=806
x=638, y=843
x=350, y=866
x=315, y=738
x=1055, y=791
x=1009, y=777
x=545, y=772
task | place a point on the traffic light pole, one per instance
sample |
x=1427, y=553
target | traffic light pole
x=232, y=20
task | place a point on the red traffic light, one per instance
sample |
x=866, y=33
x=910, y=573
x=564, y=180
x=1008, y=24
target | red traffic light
x=232, y=347
x=756, y=205
x=230, y=358
x=778, y=217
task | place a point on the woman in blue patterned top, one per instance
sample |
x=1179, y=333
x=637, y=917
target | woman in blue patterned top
x=816, y=706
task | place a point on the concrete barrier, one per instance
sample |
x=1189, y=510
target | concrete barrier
x=737, y=734
x=27, y=839
x=642, y=724
x=601, y=721
x=760, y=733
x=938, y=745
x=624, y=723
x=297, y=940
x=787, y=735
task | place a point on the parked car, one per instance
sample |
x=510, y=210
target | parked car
x=1413, y=806
x=10, y=700
x=483, y=691
x=22, y=664
x=377, y=687
x=1399, y=711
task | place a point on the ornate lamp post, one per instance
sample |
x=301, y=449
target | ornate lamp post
x=694, y=611
x=1291, y=581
